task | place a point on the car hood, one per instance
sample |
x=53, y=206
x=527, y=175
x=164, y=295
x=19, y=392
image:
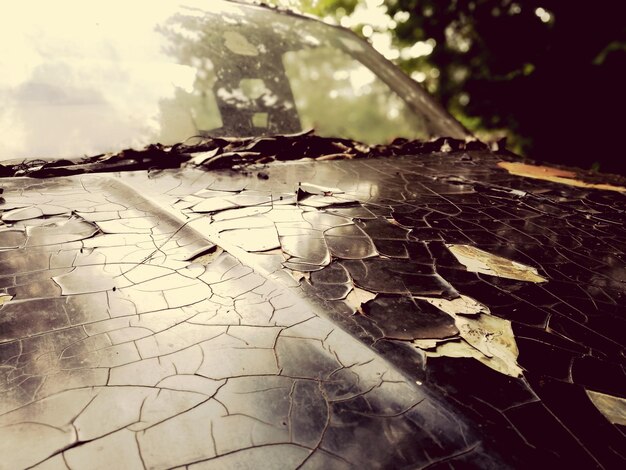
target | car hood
x=409, y=305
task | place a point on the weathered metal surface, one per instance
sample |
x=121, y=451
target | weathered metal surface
x=315, y=316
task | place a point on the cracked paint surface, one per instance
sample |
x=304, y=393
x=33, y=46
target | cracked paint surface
x=313, y=318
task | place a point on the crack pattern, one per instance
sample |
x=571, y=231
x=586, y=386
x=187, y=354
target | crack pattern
x=117, y=346
x=314, y=317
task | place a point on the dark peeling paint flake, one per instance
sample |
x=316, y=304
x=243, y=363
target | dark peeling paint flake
x=349, y=242
x=385, y=229
x=398, y=277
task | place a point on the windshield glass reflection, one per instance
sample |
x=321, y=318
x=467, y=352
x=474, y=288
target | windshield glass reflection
x=108, y=77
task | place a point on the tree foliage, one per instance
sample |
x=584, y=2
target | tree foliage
x=549, y=73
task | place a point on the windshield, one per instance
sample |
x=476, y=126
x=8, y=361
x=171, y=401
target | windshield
x=81, y=78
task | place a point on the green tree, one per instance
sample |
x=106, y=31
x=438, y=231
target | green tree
x=549, y=73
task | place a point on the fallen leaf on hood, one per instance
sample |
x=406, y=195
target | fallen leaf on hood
x=482, y=336
x=492, y=336
x=479, y=261
x=463, y=305
x=613, y=408
x=555, y=175
x=463, y=349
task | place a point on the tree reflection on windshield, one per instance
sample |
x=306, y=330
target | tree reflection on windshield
x=219, y=70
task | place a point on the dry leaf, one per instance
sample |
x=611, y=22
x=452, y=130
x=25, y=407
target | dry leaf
x=463, y=349
x=481, y=336
x=613, y=408
x=479, y=261
x=463, y=305
x=555, y=175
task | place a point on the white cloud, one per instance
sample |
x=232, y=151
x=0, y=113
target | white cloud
x=103, y=62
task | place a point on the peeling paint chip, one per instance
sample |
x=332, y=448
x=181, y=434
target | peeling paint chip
x=503, y=364
x=482, y=336
x=613, y=408
x=489, y=339
x=555, y=175
x=462, y=305
x=358, y=297
x=479, y=261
